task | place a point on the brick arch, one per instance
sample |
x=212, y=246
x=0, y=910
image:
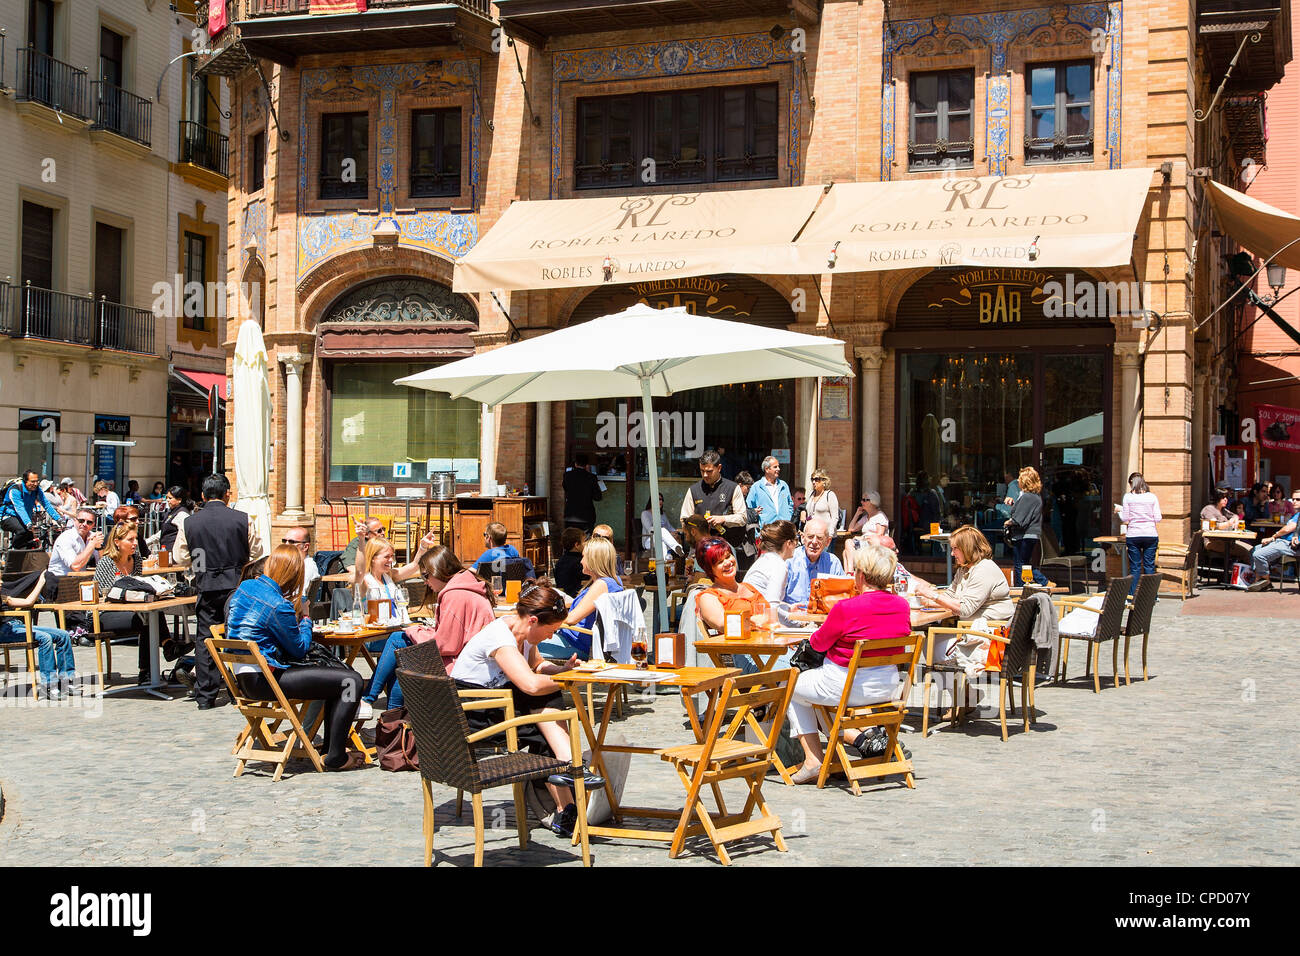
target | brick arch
x=781, y=285
x=334, y=276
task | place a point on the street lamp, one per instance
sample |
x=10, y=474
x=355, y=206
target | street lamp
x=1276, y=278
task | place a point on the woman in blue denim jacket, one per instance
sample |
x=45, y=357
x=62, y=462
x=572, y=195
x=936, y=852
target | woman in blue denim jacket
x=264, y=610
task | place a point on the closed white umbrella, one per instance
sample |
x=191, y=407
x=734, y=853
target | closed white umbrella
x=252, y=398
x=641, y=349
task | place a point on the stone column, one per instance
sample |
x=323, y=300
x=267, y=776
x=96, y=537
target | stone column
x=1200, y=398
x=542, y=471
x=1130, y=415
x=872, y=358
x=487, y=451
x=293, y=363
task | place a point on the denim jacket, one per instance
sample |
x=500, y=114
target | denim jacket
x=259, y=612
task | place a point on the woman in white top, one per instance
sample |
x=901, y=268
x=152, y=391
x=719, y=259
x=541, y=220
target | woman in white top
x=778, y=541
x=1141, y=512
x=822, y=503
x=648, y=523
x=504, y=655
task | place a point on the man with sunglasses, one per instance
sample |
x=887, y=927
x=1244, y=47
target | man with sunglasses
x=1273, y=548
x=72, y=552
x=300, y=538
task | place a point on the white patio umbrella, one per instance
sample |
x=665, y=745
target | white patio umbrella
x=1084, y=431
x=252, y=398
x=641, y=349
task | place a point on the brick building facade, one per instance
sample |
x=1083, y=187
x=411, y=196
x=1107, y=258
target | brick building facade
x=512, y=85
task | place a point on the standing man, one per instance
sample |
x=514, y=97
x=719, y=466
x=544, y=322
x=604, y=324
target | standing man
x=771, y=494
x=22, y=502
x=581, y=492
x=718, y=500
x=809, y=561
x=219, y=542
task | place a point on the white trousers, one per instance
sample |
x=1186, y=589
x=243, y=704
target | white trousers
x=825, y=684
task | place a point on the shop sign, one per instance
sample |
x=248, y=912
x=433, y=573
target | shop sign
x=997, y=296
x=734, y=297
x=115, y=426
x=1279, y=428
x=185, y=415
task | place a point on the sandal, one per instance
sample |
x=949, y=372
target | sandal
x=354, y=761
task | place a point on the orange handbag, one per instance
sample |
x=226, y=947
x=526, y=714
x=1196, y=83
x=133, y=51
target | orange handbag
x=993, y=661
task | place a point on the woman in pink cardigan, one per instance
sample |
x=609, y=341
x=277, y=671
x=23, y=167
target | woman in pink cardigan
x=1141, y=512
x=874, y=615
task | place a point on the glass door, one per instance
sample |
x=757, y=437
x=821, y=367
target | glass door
x=1073, y=438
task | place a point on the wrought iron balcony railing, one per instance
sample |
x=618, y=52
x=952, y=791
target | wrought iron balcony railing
x=121, y=112
x=53, y=83
x=31, y=312
x=205, y=147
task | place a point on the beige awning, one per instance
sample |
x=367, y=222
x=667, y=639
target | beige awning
x=1258, y=226
x=1080, y=219
x=562, y=243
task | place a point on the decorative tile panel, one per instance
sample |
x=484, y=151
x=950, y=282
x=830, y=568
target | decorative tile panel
x=674, y=58
x=447, y=233
x=252, y=226
x=1043, y=26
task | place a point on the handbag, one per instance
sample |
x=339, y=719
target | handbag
x=805, y=657
x=318, y=655
x=129, y=590
x=395, y=742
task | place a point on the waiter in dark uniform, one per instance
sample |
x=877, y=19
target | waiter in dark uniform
x=719, y=501
x=218, y=541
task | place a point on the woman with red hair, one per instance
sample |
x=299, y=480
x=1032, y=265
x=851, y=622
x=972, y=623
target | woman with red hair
x=727, y=594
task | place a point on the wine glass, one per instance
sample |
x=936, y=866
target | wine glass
x=498, y=584
x=639, y=651
x=627, y=568
x=402, y=598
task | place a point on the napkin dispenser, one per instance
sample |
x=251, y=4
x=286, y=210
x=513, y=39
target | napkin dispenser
x=670, y=650
x=736, y=626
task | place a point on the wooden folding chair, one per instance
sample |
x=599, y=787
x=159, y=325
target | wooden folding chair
x=29, y=645
x=723, y=756
x=888, y=714
x=261, y=739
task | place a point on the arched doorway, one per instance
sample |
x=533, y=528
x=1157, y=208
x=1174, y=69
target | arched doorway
x=744, y=421
x=998, y=370
x=384, y=434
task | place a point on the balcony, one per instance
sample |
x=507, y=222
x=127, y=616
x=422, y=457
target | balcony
x=120, y=112
x=283, y=30
x=50, y=82
x=205, y=147
x=1222, y=25
x=536, y=21
x=33, y=313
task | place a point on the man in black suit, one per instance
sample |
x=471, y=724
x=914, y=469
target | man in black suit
x=581, y=492
x=217, y=541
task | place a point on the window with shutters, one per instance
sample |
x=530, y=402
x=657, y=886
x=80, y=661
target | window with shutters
x=1058, y=112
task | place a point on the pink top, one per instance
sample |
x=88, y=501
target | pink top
x=1140, y=513
x=872, y=616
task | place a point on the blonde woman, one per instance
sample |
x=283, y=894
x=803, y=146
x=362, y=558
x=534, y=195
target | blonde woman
x=822, y=503
x=600, y=563
x=120, y=558
x=1025, y=525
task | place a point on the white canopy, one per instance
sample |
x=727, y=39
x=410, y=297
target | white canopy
x=646, y=350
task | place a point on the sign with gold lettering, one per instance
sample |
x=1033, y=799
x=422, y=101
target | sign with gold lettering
x=722, y=297
x=991, y=300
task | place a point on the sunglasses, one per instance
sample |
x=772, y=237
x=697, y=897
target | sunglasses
x=85, y=521
x=291, y=541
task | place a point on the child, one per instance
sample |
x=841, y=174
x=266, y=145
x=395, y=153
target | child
x=568, y=567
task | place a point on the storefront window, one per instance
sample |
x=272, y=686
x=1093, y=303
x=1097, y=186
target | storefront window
x=38, y=434
x=376, y=424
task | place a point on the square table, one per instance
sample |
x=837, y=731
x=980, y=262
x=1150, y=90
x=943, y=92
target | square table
x=1227, y=554
x=690, y=681
x=151, y=609
x=355, y=641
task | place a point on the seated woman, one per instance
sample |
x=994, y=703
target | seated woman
x=119, y=559
x=726, y=594
x=600, y=563
x=465, y=605
x=265, y=610
x=55, y=666
x=874, y=615
x=979, y=591
x=778, y=541
x=505, y=654
x=132, y=513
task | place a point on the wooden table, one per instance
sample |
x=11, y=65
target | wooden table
x=1116, y=541
x=922, y=617
x=1228, y=536
x=339, y=578
x=690, y=681
x=942, y=539
x=356, y=641
x=150, y=609
x=151, y=569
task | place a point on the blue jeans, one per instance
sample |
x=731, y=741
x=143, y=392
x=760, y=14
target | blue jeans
x=1264, y=555
x=385, y=679
x=1024, y=552
x=53, y=651
x=1141, y=559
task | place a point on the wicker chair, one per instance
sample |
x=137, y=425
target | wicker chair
x=1180, y=564
x=1110, y=617
x=1019, y=662
x=1139, y=618
x=446, y=747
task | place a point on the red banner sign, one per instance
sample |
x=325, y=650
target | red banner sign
x=1279, y=428
x=337, y=6
x=216, y=17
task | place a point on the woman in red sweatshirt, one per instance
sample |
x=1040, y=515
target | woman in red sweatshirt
x=874, y=615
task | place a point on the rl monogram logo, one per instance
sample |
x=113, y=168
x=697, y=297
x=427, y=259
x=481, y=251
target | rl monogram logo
x=635, y=207
x=962, y=188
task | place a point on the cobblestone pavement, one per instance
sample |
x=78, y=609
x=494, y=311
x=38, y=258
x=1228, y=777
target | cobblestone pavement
x=1194, y=767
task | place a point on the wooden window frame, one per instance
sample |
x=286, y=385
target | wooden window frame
x=1061, y=148
x=927, y=157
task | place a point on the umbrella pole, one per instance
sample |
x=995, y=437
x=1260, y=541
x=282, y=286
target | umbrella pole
x=656, y=538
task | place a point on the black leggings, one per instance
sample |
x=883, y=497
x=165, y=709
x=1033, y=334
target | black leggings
x=127, y=623
x=338, y=687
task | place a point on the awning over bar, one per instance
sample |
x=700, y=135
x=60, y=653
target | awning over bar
x=1261, y=228
x=1052, y=220
x=563, y=243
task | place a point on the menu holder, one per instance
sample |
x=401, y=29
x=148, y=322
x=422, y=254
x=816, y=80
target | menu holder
x=670, y=650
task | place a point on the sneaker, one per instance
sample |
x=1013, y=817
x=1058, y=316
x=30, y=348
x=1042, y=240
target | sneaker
x=1262, y=585
x=562, y=823
x=73, y=687
x=184, y=675
x=365, y=711
x=49, y=692
x=79, y=636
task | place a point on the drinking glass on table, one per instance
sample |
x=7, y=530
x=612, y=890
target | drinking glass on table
x=628, y=567
x=402, y=599
x=372, y=605
x=640, y=649
x=1026, y=574
x=498, y=584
